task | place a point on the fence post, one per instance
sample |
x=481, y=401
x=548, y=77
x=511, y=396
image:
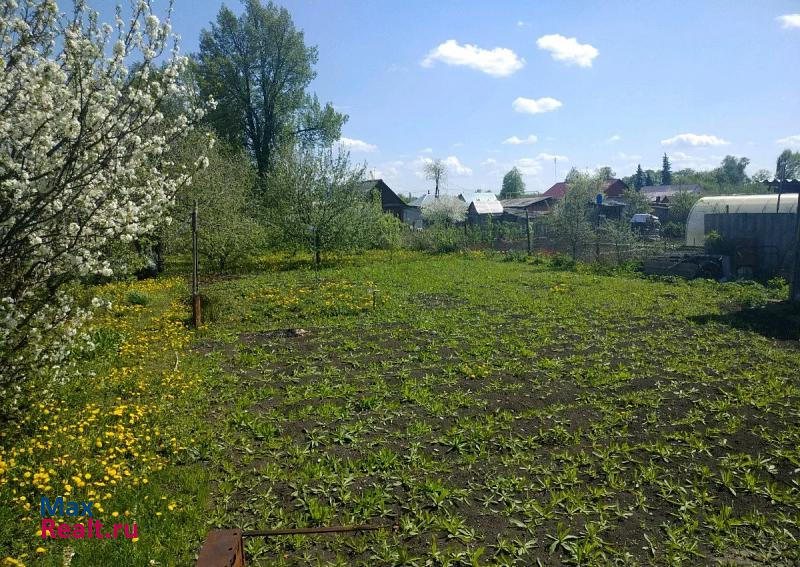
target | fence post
x=197, y=316
x=794, y=294
x=528, y=230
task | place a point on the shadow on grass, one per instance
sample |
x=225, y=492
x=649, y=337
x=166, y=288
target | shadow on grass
x=775, y=320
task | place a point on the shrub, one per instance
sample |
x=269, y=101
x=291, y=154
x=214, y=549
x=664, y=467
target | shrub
x=673, y=230
x=137, y=298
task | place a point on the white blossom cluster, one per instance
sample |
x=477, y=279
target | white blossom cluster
x=84, y=148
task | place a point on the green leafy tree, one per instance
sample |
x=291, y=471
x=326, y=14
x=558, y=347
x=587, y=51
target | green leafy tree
x=513, y=185
x=666, y=171
x=621, y=237
x=638, y=179
x=572, y=218
x=637, y=201
x=761, y=175
x=258, y=68
x=792, y=161
x=227, y=232
x=606, y=173
x=732, y=171
x=649, y=178
x=315, y=200
x=680, y=206
x=572, y=175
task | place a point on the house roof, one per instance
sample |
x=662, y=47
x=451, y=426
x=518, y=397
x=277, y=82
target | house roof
x=525, y=201
x=487, y=207
x=557, y=191
x=484, y=202
x=671, y=189
x=426, y=199
x=660, y=192
x=388, y=197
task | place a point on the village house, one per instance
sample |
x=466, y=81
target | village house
x=392, y=203
x=612, y=188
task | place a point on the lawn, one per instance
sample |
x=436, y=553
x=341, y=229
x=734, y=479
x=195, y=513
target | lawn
x=495, y=413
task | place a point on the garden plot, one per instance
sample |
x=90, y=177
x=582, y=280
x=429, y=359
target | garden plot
x=502, y=413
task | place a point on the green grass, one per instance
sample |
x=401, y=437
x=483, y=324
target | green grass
x=496, y=413
x=503, y=413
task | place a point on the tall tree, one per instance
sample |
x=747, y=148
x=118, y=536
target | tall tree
x=792, y=161
x=436, y=171
x=638, y=179
x=649, y=178
x=513, y=185
x=573, y=216
x=606, y=173
x=666, y=171
x=258, y=68
x=573, y=175
x=731, y=171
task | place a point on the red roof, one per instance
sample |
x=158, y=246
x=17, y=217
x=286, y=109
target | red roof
x=557, y=191
x=613, y=188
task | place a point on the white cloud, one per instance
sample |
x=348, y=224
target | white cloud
x=683, y=160
x=623, y=155
x=568, y=49
x=516, y=141
x=791, y=141
x=456, y=167
x=497, y=62
x=521, y=24
x=528, y=166
x=614, y=138
x=354, y=145
x=535, y=105
x=551, y=157
x=694, y=140
x=789, y=21
x=374, y=173
x=489, y=161
x=427, y=151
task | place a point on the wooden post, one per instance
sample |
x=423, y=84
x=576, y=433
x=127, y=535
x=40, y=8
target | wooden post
x=197, y=316
x=528, y=230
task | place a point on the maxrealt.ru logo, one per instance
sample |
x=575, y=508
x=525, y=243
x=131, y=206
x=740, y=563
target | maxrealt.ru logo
x=90, y=529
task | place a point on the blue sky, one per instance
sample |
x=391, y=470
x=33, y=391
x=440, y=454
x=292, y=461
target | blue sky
x=634, y=79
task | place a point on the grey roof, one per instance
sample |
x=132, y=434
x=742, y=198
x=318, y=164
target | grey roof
x=426, y=199
x=671, y=189
x=487, y=207
x=484, y=202
x=525, y=201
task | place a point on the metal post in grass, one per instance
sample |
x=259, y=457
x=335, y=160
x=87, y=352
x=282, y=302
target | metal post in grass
x=794, y=294
x=197, y=316
x=528, y=230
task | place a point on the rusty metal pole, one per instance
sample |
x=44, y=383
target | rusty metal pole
x=197, y=316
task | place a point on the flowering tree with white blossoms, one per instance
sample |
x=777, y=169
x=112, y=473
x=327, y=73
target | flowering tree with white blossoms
x=83, y=162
